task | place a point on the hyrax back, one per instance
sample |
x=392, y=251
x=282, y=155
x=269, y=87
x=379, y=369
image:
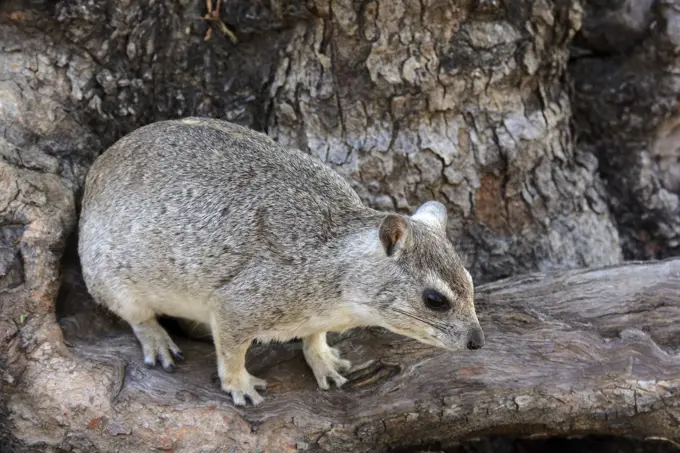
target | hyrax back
x=212, y=222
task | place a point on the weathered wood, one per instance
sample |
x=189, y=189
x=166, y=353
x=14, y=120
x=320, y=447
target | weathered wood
x=587, y=351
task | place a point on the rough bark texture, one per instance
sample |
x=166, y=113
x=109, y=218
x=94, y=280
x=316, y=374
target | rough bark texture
x=583, y=351
x=464, y=102
x=468, y=102
x=626, y=85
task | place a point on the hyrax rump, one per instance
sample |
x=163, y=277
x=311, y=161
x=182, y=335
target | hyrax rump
x=212, y=222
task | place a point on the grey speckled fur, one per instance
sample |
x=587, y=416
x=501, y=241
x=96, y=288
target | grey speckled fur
x=205, y=220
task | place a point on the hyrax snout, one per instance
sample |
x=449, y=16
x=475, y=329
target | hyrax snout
x=215, y=223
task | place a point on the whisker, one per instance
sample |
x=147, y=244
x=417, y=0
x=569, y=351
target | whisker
x=194, y=327
x=437, y=326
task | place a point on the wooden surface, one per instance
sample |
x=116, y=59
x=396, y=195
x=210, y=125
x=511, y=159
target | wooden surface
x=590, y=351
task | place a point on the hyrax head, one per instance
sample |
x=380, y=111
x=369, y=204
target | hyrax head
x=426, y=292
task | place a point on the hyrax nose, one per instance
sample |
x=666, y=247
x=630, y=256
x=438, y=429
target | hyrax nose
x=476, y=339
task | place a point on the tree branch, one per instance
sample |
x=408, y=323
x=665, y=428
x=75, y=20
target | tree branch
x=578, y=352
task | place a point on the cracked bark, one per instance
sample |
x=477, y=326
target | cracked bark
x=409, y=100
x=416, y=100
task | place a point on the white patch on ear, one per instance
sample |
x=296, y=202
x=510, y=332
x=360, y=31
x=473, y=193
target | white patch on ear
x=432, y=213
x=469, y=277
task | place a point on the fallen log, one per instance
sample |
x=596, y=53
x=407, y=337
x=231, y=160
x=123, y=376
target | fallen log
x=591, y=351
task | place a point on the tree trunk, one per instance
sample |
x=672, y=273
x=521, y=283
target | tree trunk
x=414, y=100
x=466, y=102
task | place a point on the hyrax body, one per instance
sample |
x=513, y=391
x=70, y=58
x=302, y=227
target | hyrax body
x=205, y=220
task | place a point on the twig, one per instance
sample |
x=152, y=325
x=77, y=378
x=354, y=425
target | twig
x=213, y=15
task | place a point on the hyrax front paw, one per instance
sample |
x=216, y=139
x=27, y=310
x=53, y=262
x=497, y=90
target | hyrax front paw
x=157, y=344
x=243, y=385
x=325, y=363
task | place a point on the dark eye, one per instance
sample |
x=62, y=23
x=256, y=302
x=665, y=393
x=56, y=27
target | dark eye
x=435, y=301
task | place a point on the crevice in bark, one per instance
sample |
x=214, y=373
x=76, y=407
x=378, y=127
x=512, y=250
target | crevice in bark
x=574, y=444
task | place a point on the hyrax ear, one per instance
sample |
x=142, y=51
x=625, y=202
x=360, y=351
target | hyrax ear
x=394, y=233
x=432, y=213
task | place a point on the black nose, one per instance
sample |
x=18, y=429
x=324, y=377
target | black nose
x=475, y=340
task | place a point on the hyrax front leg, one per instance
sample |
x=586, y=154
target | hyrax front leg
x=231, y=365
x=324, y=361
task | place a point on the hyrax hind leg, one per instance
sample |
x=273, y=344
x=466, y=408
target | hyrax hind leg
x=231, y=363
x=155, y=341
x=156, y=344
x=324, y=361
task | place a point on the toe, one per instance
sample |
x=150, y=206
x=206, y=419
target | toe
x=149, y=358
x=239, y=398
x=338, y=379
x=149, y=351
x=173, y=347
x=166, y=360
x=343, y=365
x=322, y=381
x=255, y=398
x=259, y=383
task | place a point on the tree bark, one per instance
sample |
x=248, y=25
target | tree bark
x=625, y=72
x=576, y=352
x=465, y=102
x=414, y=100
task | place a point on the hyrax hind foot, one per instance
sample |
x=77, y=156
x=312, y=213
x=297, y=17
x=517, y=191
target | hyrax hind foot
x=156, y=344
x=324, y=361
x=231, y=367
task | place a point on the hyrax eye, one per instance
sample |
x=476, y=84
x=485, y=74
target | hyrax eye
x=435, y=301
